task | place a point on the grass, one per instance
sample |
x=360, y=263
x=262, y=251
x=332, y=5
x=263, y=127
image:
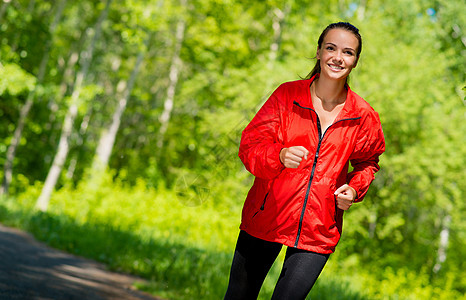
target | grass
x=174, y=270
x=183, y=251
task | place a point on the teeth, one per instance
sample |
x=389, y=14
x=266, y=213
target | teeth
x=335, y=67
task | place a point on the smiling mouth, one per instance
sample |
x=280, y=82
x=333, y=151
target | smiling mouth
x=335, y=67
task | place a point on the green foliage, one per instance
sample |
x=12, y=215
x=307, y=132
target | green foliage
x=184, y=251
x=146, y=232
x=14, y=80
x=406, y=284
x=179, y=206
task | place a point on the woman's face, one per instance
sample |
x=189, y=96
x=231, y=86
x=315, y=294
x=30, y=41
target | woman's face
x=338, y=54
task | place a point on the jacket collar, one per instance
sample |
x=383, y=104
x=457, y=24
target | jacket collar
x=349, y=110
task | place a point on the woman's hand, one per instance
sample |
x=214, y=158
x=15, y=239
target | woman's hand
x=345, y=196
x=292, y=157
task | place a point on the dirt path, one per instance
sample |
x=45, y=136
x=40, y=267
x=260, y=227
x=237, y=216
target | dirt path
x=31, y=270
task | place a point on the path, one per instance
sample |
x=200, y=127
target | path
x=31, y=270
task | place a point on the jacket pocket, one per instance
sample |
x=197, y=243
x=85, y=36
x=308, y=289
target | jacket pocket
x=263, y=205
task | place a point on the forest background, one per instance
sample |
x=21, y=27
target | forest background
x=120, y=122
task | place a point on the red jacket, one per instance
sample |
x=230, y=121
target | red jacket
x=296, y=207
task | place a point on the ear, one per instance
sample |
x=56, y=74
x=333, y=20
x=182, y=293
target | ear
x=356, y=63
x=318, y=53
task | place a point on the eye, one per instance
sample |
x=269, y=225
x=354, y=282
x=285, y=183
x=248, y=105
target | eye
x=348, y=52
x=329, y=48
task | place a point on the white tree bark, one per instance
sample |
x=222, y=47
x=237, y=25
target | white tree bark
x=11, y=151
x=80, y=134
x=278, y=19
x=443, y=245
x=173, y=80
x=278, y=23
x=63, y=145
x=107, y=140
x=66, y=79
x=361, y=10
x=58, y=161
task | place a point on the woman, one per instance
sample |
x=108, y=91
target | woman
x=298, y=147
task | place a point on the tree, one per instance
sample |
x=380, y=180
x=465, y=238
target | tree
x=63, y=145
x=173, y=77
x=107, y=140
x=10, y=155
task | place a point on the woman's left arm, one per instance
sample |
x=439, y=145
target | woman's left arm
x=365, y=158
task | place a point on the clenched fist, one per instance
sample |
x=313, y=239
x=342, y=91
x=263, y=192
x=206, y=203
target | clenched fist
x=345, y=196
x=291, y=157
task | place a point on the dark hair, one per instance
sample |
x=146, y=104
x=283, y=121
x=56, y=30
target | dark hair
x=340, y=25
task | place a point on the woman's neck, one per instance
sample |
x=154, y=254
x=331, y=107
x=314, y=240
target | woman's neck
x=330, y=91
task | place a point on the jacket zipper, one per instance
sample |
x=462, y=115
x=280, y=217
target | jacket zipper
x=265, y=199
x=263, y=205
x=316, y=156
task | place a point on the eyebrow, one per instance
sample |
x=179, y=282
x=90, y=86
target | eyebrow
x=347, y=48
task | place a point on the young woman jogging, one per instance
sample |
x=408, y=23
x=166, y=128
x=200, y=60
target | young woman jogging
x=298, y=147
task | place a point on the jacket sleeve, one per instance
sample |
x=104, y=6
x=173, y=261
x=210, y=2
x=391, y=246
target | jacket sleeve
x=365, y=157
x=261, y=140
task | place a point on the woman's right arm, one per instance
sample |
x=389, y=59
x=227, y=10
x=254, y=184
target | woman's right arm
x=262, y=140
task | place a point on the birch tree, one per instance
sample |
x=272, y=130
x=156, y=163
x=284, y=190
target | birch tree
x=107, y=139
x=63, y=145
x=10, y=155
x=278, y=23
x=173, y=78
x=443, y=243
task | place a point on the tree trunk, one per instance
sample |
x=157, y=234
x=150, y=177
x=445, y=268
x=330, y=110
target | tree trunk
x=173, y=80
x=64, y=85
x=443, y=245
x=63, y=145
x=58, y=161
x=107, y=140
x=361, y=10
x=11, y=151
x=277, y=25
x=82, y=132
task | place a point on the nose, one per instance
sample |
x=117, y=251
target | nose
x=337, y=57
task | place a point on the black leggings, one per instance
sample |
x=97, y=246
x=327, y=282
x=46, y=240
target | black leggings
x=253, y=259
